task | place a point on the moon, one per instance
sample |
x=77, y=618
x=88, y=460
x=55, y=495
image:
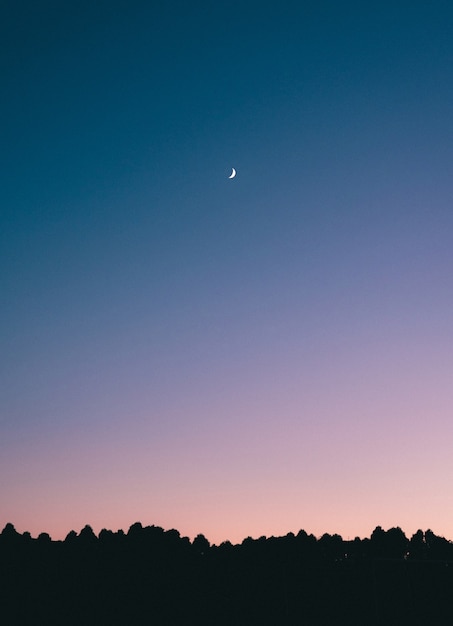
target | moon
x=233, y=173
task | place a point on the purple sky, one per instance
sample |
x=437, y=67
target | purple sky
x=233, y=357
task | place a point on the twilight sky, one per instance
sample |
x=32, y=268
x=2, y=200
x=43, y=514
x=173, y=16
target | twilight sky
x=232, y=357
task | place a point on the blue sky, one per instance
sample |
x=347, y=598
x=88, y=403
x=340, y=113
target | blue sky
x=147, y=298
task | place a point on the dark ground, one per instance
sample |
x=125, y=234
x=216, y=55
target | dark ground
x=154, y=577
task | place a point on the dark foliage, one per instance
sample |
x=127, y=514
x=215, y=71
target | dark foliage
x=154, y=577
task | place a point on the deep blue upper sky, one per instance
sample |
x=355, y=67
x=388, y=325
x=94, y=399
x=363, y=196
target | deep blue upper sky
x=121, y=121
x=134, y=273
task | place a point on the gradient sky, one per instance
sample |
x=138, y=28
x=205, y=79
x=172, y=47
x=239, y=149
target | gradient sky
x=231, y=357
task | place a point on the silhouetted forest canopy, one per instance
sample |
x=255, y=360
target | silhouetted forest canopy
x=154, y=576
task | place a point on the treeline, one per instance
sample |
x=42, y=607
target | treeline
x=149, y=576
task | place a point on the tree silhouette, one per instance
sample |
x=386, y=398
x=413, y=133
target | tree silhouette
x=200, y=544
x=153, y=576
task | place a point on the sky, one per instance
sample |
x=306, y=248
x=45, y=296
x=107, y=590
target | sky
x=233, y=357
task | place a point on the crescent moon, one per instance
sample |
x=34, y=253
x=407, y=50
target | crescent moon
x=233, y=173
